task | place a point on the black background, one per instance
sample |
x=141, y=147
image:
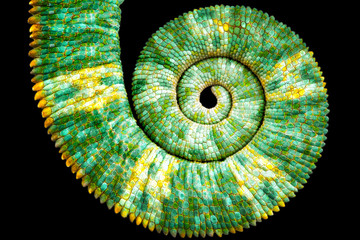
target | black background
x=50, y=202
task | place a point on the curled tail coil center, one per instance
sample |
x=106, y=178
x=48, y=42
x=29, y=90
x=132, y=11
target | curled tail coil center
x=181, y=168
x=168, y=105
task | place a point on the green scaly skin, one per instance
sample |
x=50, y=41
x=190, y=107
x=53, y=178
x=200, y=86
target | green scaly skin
x=181, y=168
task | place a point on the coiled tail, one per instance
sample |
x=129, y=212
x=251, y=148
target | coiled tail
x=175, y=165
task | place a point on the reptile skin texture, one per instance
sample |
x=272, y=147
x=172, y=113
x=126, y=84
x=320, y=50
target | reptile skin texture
x=171, y=164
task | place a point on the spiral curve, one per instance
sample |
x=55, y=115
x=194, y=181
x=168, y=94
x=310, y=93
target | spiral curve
x=181, y=168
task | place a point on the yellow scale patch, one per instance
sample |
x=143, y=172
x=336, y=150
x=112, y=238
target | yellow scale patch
x=92, y=95
x=222, y=27
x=140, y=179
x=267, y=171
x=286, y=67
